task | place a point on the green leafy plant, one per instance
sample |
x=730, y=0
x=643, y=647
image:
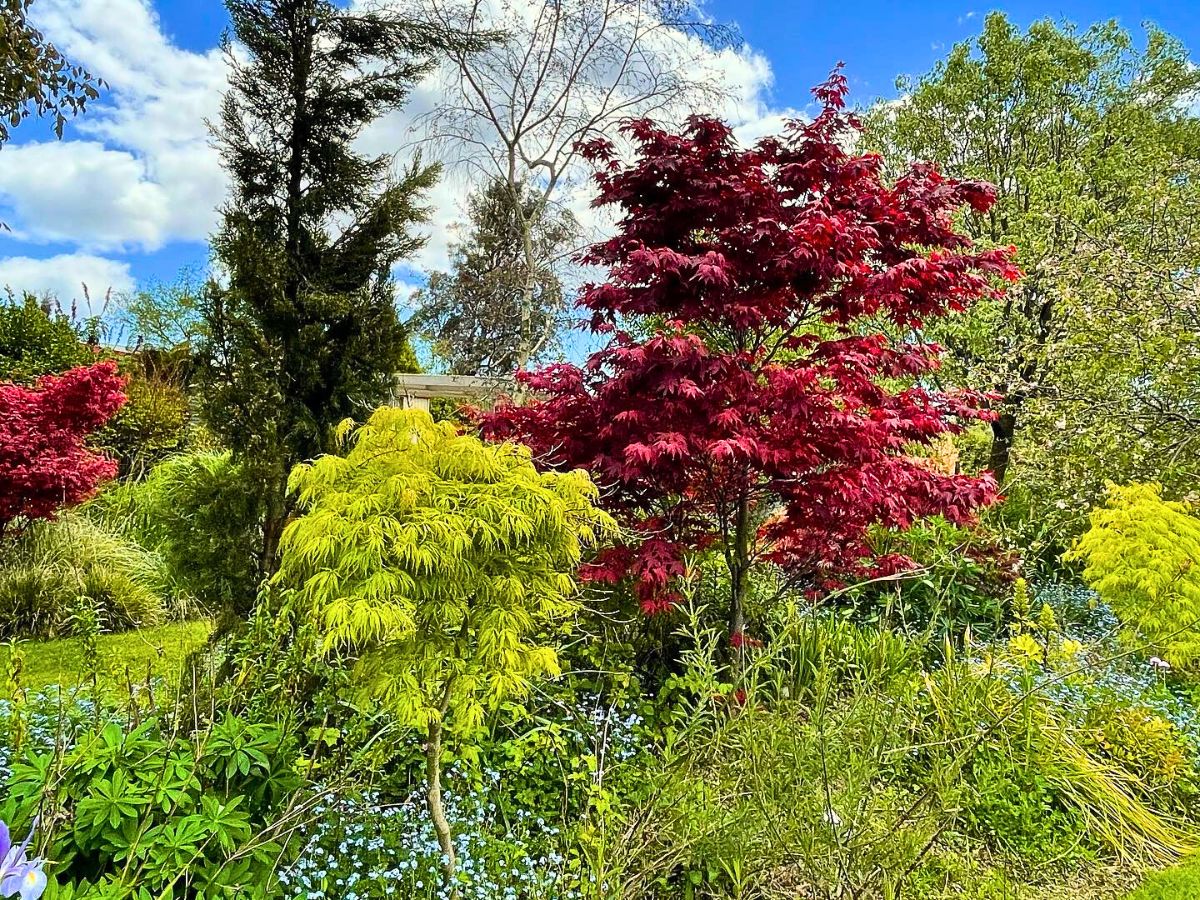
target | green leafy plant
x=1016, y=808
x=54, y=566
x=441, y=563
x=152, y=424
x=960, y=577
x=151, y=809
x=1151, y=749
x=1140, y=555
x=38, y=339
x=192, y=511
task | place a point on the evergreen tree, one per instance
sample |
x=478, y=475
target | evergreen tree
x=302, y=329
x=485, y=316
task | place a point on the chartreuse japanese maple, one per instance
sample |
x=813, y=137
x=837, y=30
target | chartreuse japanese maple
x=1140, y=555
x=439, y=563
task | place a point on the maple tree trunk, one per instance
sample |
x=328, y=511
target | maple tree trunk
x=1004, y=429
x=433, y=800
x=739, y=573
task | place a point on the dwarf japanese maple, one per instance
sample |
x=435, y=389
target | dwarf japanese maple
x=45, y=463
x=763, y=391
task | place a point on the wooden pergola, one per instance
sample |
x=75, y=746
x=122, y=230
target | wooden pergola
x=414, y=391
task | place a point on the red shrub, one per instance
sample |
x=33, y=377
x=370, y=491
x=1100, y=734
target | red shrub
x=45, y=464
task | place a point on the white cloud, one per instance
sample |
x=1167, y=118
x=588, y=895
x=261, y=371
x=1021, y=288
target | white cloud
x=138, y=170
x=967, y=17
x=144, y=173
x=65, y=275
x=82, y=192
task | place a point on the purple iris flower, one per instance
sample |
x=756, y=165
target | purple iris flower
x=19, y=875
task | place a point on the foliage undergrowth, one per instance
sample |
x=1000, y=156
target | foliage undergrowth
x=57, y=574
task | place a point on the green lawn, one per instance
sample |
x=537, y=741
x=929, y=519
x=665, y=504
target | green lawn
x=157, y=652
x=1182, y=882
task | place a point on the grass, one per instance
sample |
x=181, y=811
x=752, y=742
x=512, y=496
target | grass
x=1181, y=882
x=154, y=652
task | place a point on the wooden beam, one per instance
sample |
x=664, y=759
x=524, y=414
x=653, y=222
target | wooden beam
x=456, y=387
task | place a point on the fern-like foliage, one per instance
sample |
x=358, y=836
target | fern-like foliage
x=439, y=561
x=1141, y=556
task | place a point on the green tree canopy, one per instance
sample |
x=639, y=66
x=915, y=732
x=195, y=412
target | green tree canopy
x=302, y=329
x=37, y=79
x=38, y=339
x=1140, y=556
x=1093, y=143
x=487, y=315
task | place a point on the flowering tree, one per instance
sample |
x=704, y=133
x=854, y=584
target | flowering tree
x=45, y=463
x=757, y=395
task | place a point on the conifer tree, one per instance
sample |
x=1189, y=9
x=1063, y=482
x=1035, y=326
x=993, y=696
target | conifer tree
x=302, y=329
x=489, y=315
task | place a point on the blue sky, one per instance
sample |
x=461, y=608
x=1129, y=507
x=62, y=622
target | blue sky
x=879, y=40
x=130, y=196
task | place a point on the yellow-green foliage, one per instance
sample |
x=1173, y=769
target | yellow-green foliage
x=439, y=560
x=1141, y=556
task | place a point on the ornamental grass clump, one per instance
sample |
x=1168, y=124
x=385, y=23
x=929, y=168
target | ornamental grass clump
x=438, y=565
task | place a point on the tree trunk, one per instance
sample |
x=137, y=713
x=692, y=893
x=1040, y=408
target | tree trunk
x=433, y=799
x=739, y=579
x=526, y=348
x=1004, y=429
x=276, y=510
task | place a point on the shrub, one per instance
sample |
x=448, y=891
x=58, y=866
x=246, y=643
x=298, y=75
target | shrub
x=1148, y=746
x=45, y=464
x=36, y=340
x=959, y=577
x=191, y=511
x=1140, y=556
x=440, y=563
x=150, y=809
x=151, y=425
x=55, y=568
x=844, y=762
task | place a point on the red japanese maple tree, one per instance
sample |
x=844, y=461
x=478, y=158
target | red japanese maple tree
x=762, y=391
x=45, y=463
